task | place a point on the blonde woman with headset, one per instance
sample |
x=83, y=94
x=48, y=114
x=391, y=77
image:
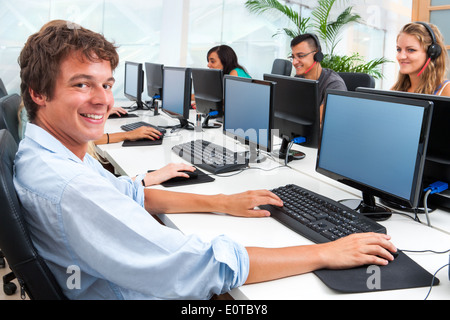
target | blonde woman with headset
x=423, y=60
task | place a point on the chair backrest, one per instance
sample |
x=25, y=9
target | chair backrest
x=3, y=91
x=282, y=67
x=354, y=80
x=9, y=119
x=29, y=268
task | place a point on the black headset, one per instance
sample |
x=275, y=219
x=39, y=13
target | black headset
x=434, y=50
x=319, y=55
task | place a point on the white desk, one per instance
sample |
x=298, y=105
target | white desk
x=267, y=232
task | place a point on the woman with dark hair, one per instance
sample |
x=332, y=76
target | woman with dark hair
x=223, y=57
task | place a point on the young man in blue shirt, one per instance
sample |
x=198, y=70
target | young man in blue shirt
x=81, y=215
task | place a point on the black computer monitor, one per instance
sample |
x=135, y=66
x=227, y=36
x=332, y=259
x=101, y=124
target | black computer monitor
x=177, y=94
x=208, y=90
x=376, y=144
x=154, y=76
x=248, y=113
x=134, y=83
x=437, y=163
x=296, y=111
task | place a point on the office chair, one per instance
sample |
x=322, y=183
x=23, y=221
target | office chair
x=31, y=271
x=9, y=106
x=282, y=67
x=10, y=288
x=3, y=91
x=355, y=79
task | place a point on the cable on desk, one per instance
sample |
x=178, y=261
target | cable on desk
x=434, y=276
x=245, y=169
x=426, y=250
x=435, y=187
x=286, y=158
x=296, y=140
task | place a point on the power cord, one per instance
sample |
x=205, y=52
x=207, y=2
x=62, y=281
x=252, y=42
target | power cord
x=296, y=140
x=224, y=175
x=434, y=275
x=435, y=187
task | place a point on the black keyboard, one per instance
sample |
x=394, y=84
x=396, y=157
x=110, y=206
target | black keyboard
x=316, y=217
x=211, y=157
x=138, y=124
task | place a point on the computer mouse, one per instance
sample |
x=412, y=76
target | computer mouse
x=191, y=174
x=162, y=130
x=395, y=254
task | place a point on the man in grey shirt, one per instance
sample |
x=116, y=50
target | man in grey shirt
x=306, y=57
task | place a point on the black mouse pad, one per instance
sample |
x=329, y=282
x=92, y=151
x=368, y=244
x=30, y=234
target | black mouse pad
x=201, y=178
x=142, y=142
x=402, y=273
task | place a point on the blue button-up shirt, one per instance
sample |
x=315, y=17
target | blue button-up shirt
x=99, y=241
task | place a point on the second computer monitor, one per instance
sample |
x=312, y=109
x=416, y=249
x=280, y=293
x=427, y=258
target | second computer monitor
x=134, y=83
x=177, y=94
x=248, y=113
x=208, y=90
x=296, y=109
x=154, y=75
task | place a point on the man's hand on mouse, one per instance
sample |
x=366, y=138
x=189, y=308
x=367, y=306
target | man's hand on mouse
x=167, y=172
x=359, y=249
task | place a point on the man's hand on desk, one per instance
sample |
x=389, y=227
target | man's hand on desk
x=239, y=204
x=244, y=204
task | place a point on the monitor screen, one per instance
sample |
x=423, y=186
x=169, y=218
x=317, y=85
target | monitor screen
x=208, y=90
x=296, y=110
x=134, y=82
x=248, y=111
x=376, y=144
x=154, y=75
x=177, y=93
x=437, y=164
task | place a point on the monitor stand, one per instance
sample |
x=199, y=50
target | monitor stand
x=184, y=124
x=368, y=207
x=206, y=125
x=139, y=106
x=293, y=154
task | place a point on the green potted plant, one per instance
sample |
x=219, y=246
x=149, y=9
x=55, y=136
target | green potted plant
x=327, y=31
